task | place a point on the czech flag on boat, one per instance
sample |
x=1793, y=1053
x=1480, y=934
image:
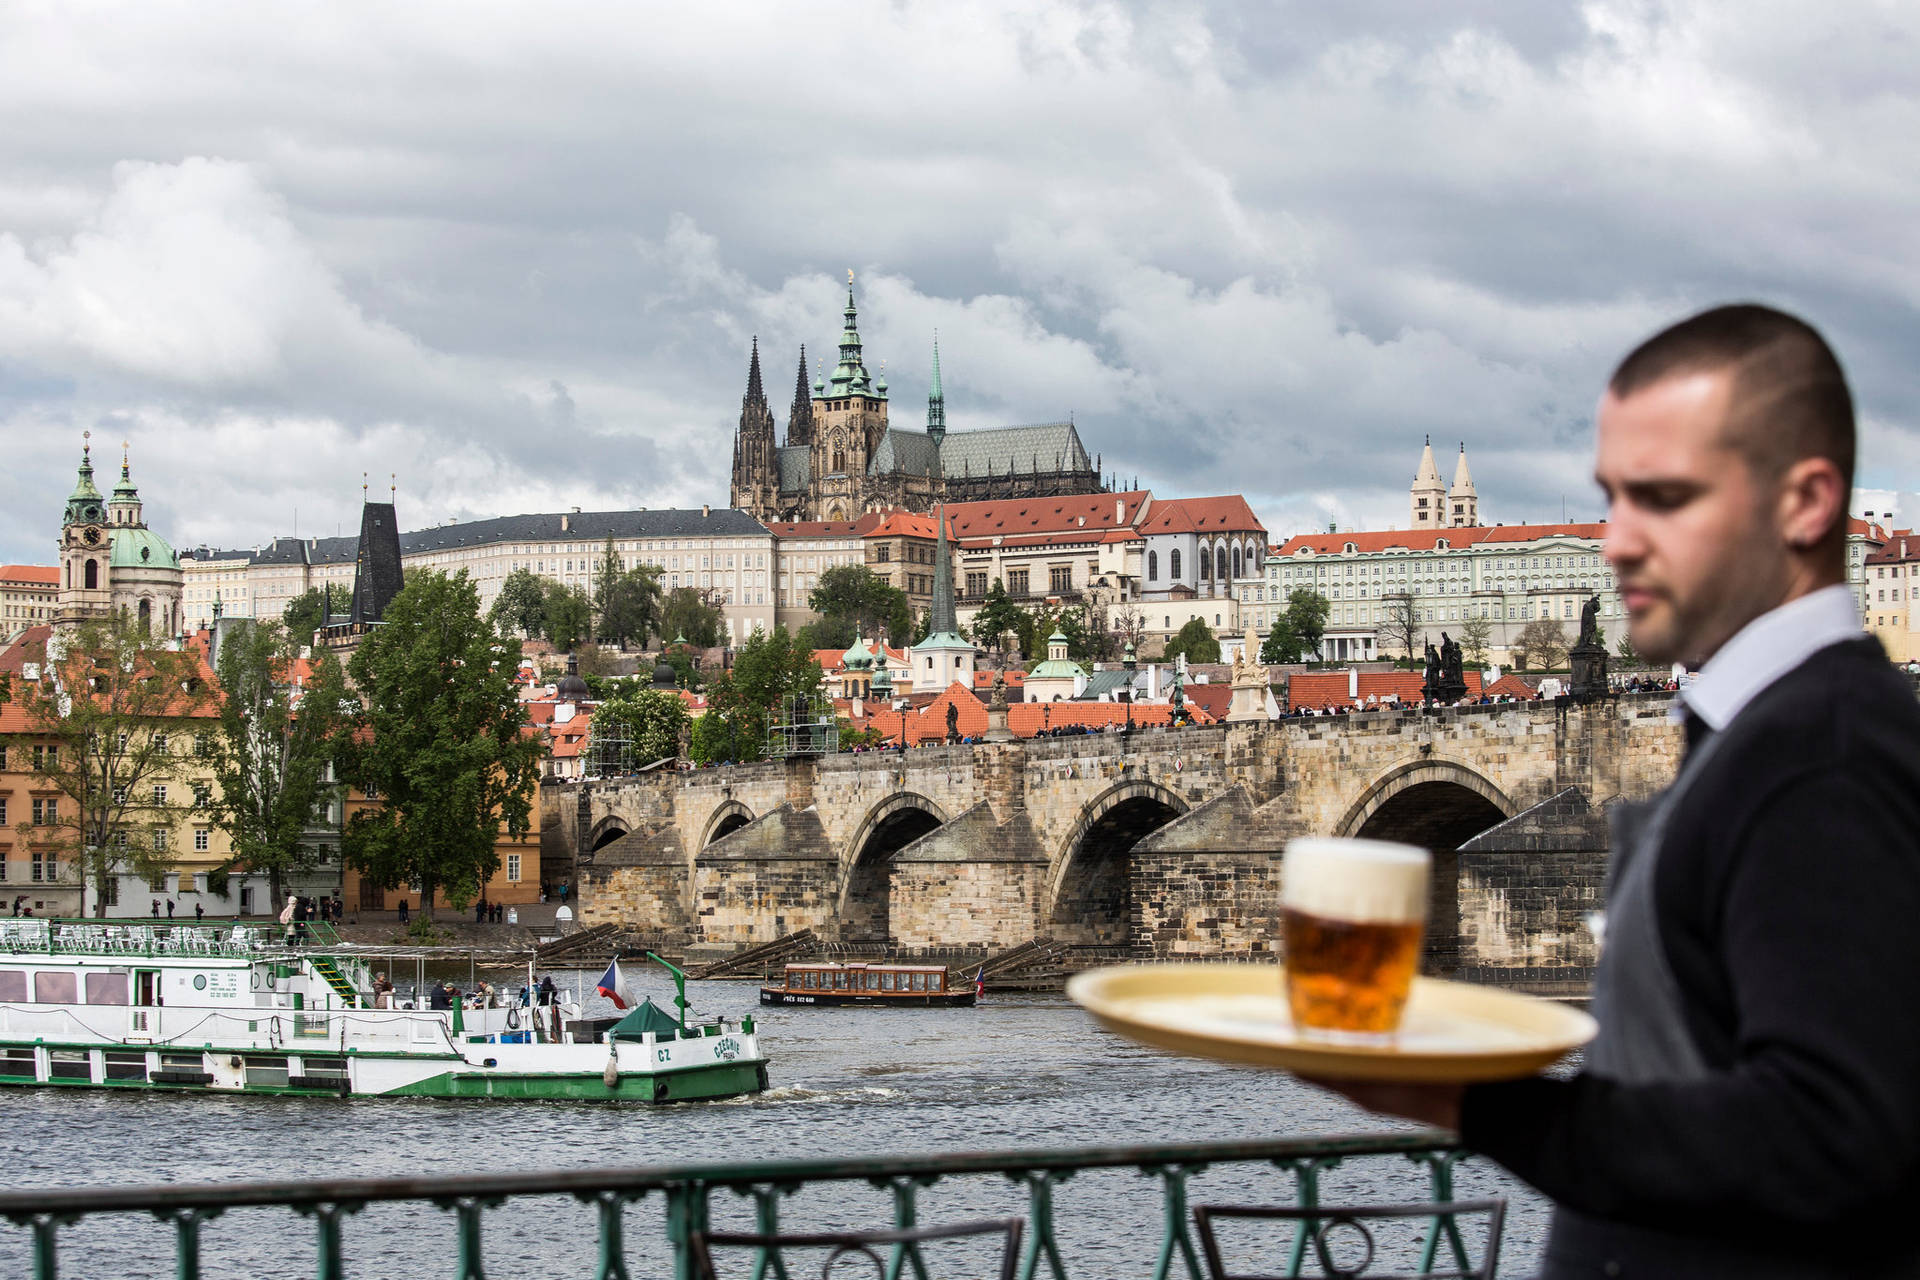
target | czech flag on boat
x=615, y=987
x=979, y=982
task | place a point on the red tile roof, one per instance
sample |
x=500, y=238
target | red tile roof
x=908, y=524
x=1024, y=719
x=1226, y=513
x=1086, y=511
x=825, y=528
x=1374, y=541
x=1901, y=547
x=46, y=575
x=1317, y=689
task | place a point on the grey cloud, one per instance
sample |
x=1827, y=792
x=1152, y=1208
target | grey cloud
x=518, y=256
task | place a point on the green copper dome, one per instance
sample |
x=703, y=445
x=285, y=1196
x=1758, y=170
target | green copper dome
x=83, y=504
x=858, y=658
x=136, y=548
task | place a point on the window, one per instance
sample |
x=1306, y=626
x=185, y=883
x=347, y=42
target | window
x=45, y=757
x=202, y=795
x=1017, y=582
x=202, y=839
x=1153, y=566
x=976, y=584
x=1173, y=564
x=159, y=793
x=1236, y=563
x=3, y=811
x=46, y=813
x=1060, y=580
x=158, y=883
x=513, y=867
x=159, y=835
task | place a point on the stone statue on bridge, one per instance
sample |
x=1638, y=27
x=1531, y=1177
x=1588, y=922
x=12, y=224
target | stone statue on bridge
x=1587, y=660
x=1590, y=623
x=953, y=723
x=1446, y=677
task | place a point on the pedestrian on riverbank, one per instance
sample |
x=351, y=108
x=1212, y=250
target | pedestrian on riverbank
x=403, y=911
x=1751, y=1106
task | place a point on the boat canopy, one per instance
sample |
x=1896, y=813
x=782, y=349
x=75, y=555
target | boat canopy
x=644, y=1017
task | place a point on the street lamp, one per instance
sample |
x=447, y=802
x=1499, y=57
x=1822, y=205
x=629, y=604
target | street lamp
x=1130, y=663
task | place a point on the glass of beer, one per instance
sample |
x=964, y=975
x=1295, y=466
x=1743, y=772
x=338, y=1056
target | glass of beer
x=1352, y=913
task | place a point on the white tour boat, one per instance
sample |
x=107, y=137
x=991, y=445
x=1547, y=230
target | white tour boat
x=233, y=1008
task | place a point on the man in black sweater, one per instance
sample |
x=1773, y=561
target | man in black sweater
x=1751, y=1106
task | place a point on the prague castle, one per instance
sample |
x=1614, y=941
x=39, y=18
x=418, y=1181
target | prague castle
x=842, y=458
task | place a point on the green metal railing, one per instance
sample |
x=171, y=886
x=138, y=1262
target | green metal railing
x=687, y=1191
x=138, y=938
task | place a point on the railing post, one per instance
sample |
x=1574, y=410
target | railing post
x=1440, y=1166
x=1040, y=1212
x=686, y=1218
x=470, y=1263
x=332, y=1263
x=46, y=1262
x=1306, y=1187
x=186, y=1236
x=906, y=1216
x=766, y=1222
x=612, y=1205
x=1174, y=1234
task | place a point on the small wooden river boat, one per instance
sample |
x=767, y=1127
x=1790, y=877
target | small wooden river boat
x=864, y=982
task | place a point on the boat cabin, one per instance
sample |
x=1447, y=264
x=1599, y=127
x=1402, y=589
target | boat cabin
x=865, y=982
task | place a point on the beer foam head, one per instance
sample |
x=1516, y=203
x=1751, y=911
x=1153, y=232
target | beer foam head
x=1355, y=879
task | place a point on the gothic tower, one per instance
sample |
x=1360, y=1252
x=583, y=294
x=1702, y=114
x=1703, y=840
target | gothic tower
x=849, y=419
x=1427, y=500
x=800, y=416
x=756, y=469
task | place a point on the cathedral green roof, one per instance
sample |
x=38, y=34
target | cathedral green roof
x=136, y=548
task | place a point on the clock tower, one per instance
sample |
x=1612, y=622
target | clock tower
x=86, y=551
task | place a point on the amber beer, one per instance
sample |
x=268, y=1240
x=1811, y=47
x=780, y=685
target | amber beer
x=1352, y=913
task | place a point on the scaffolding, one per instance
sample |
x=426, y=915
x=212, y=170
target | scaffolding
x=803, y=725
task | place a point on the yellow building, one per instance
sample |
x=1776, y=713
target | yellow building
x=1892, y=575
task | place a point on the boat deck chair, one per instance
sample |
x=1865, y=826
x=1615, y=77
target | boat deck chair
x=848, y=1247
x=1430, y=1240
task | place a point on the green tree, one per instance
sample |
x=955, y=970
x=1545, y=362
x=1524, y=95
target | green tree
x=1307, y=613
x=306, y=613
x=1282, y=643
x=271, y=754
x=902, y=629
x=440, y=744
x=606, y=575
x=686, y=614
x=853, y=593
x=1196, y=640
x=113, y=720
x=998, y=618
x=1628, y=654
x=714, y=739
x=826, y=633
x=568, y=616
x=635, y=729
x=768, y=671
x=521, y=606
x=630, y=608
x=686, y=671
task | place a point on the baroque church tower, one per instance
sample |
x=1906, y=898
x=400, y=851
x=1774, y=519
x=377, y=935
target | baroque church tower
x=756, y=468
x=849, y=421
x=111, y=562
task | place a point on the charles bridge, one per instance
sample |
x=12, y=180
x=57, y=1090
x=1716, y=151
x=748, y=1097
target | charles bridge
x=1165, y=844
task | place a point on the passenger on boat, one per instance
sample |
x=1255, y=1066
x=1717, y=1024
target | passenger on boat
x=382, y=991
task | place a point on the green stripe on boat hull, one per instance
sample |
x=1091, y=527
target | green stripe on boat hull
x=724, y=1080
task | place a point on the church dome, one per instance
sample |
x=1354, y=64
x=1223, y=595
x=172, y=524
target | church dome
x=858, y=658
x=138, y=548
x=571, y=687
x=664, y=676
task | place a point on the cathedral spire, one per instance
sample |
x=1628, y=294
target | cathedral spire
x=755, y=394
x=800, y=417
x=936, y=400
x=755, y=465
x=850, y=375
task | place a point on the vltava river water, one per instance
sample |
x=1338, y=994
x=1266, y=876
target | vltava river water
x=1017, y=1071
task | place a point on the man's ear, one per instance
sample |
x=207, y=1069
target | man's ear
x=1812, y=501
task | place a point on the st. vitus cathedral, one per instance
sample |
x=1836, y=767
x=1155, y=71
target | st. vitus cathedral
x=841, y=459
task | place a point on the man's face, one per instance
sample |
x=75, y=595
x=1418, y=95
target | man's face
x=1688, y=533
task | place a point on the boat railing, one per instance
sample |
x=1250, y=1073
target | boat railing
x=882, y=1192
x=61, y=937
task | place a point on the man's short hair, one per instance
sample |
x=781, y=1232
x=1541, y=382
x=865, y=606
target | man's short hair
x=1790, y=397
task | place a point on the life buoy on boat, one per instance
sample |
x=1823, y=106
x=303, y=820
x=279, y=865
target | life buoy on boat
x=513, y=1019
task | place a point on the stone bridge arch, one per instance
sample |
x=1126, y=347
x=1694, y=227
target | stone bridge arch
x=1434, y=802
x=724, y=820
x=864, y=909
x=1089, y=891
x=605, y=832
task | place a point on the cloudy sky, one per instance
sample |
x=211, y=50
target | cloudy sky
x=515, y=253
